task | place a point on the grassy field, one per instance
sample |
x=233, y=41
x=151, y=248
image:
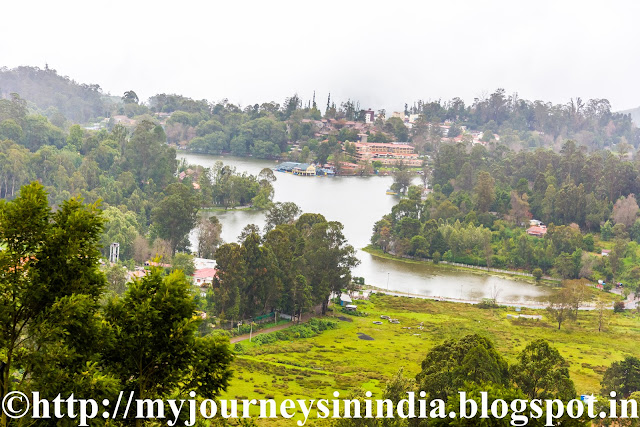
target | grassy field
x=339, y=360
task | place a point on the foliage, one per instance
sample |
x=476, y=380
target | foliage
x=541, y=373
x=447, y=366
x=623, y=377
x=176, y=214
x=184, y=263
x=153, y=309
x=304, y=330
x=294, y=267
x=209, y=236
x=223, y=186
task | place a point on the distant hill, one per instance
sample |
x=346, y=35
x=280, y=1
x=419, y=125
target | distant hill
x=54, y=94
x=635, y=115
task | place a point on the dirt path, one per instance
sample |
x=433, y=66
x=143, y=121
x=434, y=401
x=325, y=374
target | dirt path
x=245, y=337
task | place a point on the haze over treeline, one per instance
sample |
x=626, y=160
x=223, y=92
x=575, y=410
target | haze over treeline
x=379, y=53
x=60, y=98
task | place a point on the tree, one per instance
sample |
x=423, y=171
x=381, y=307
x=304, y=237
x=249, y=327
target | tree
x=281, y=213
x=537, y=274
x=121, y=227
x=49, y=290
x=623, y=377
x=447, y=366
x=175, y=216
x=116, y=279
x=560, y=307
x=520, y=208
x=541, y=373
x=396, y=390
x=209, y=236
x=602, y=308
x=148, y=157
x=184, y=263
x=401, y=178
x=625, y=211
x=485, y=192
x=156, y=349
x=130, y=97
x=328, y=258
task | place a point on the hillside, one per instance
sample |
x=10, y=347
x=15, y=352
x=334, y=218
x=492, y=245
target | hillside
x=54, y=94
x=635, y=114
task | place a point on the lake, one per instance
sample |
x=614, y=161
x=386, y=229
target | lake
x=358, y=202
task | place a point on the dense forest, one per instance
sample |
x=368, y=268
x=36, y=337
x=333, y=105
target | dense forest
x=296, y=265
x=269, y=129
x=483, y=200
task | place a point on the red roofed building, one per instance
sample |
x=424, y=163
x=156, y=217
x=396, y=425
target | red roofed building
x=387, y=153
x=537, y=231
x=204, y=276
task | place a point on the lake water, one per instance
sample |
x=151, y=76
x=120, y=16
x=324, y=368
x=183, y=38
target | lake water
x=358, y=202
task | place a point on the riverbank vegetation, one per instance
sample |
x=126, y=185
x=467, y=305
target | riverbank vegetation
x=482, y=202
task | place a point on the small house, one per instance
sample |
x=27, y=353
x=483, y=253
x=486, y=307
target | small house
x=606, y=252
x=345, y=300
x=537, y=230
x=304, y=169
x=204, y=276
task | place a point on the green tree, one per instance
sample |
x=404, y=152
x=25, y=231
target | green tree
x=401, y=178
x=447, y=366
x=49, y=292
x=623, y=377
x=175, y=216
x=184, y=263
x=541, y=373
x=281, y=213
x=560, y=306
x=121, y=227
x=328, y=260
x=116, y=278
x=209, y=236
x=130, y=97
x=485, y=191
x=11, y=130
x=156, y=350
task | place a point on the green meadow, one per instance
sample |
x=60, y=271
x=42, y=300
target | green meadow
x=338, y=359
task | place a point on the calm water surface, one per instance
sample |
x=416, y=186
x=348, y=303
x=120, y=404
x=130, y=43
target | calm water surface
x=358, y=202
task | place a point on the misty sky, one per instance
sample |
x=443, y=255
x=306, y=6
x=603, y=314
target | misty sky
x=380, y=53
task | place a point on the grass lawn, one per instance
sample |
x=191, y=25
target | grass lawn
x=337, y=359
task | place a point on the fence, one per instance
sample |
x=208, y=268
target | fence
x=265, y=318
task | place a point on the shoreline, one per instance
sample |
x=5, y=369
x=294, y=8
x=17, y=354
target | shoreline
x=546, y=281
x=223, y=209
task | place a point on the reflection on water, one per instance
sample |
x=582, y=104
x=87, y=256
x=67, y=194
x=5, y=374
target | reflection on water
x=358, y=202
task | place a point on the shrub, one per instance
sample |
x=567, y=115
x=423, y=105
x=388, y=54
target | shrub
x=618, y=307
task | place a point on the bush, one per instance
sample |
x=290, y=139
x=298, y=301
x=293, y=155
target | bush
x=306, y=330
x=537, y=273
x=354, y=313
x=487, y=303
x=618, y=307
